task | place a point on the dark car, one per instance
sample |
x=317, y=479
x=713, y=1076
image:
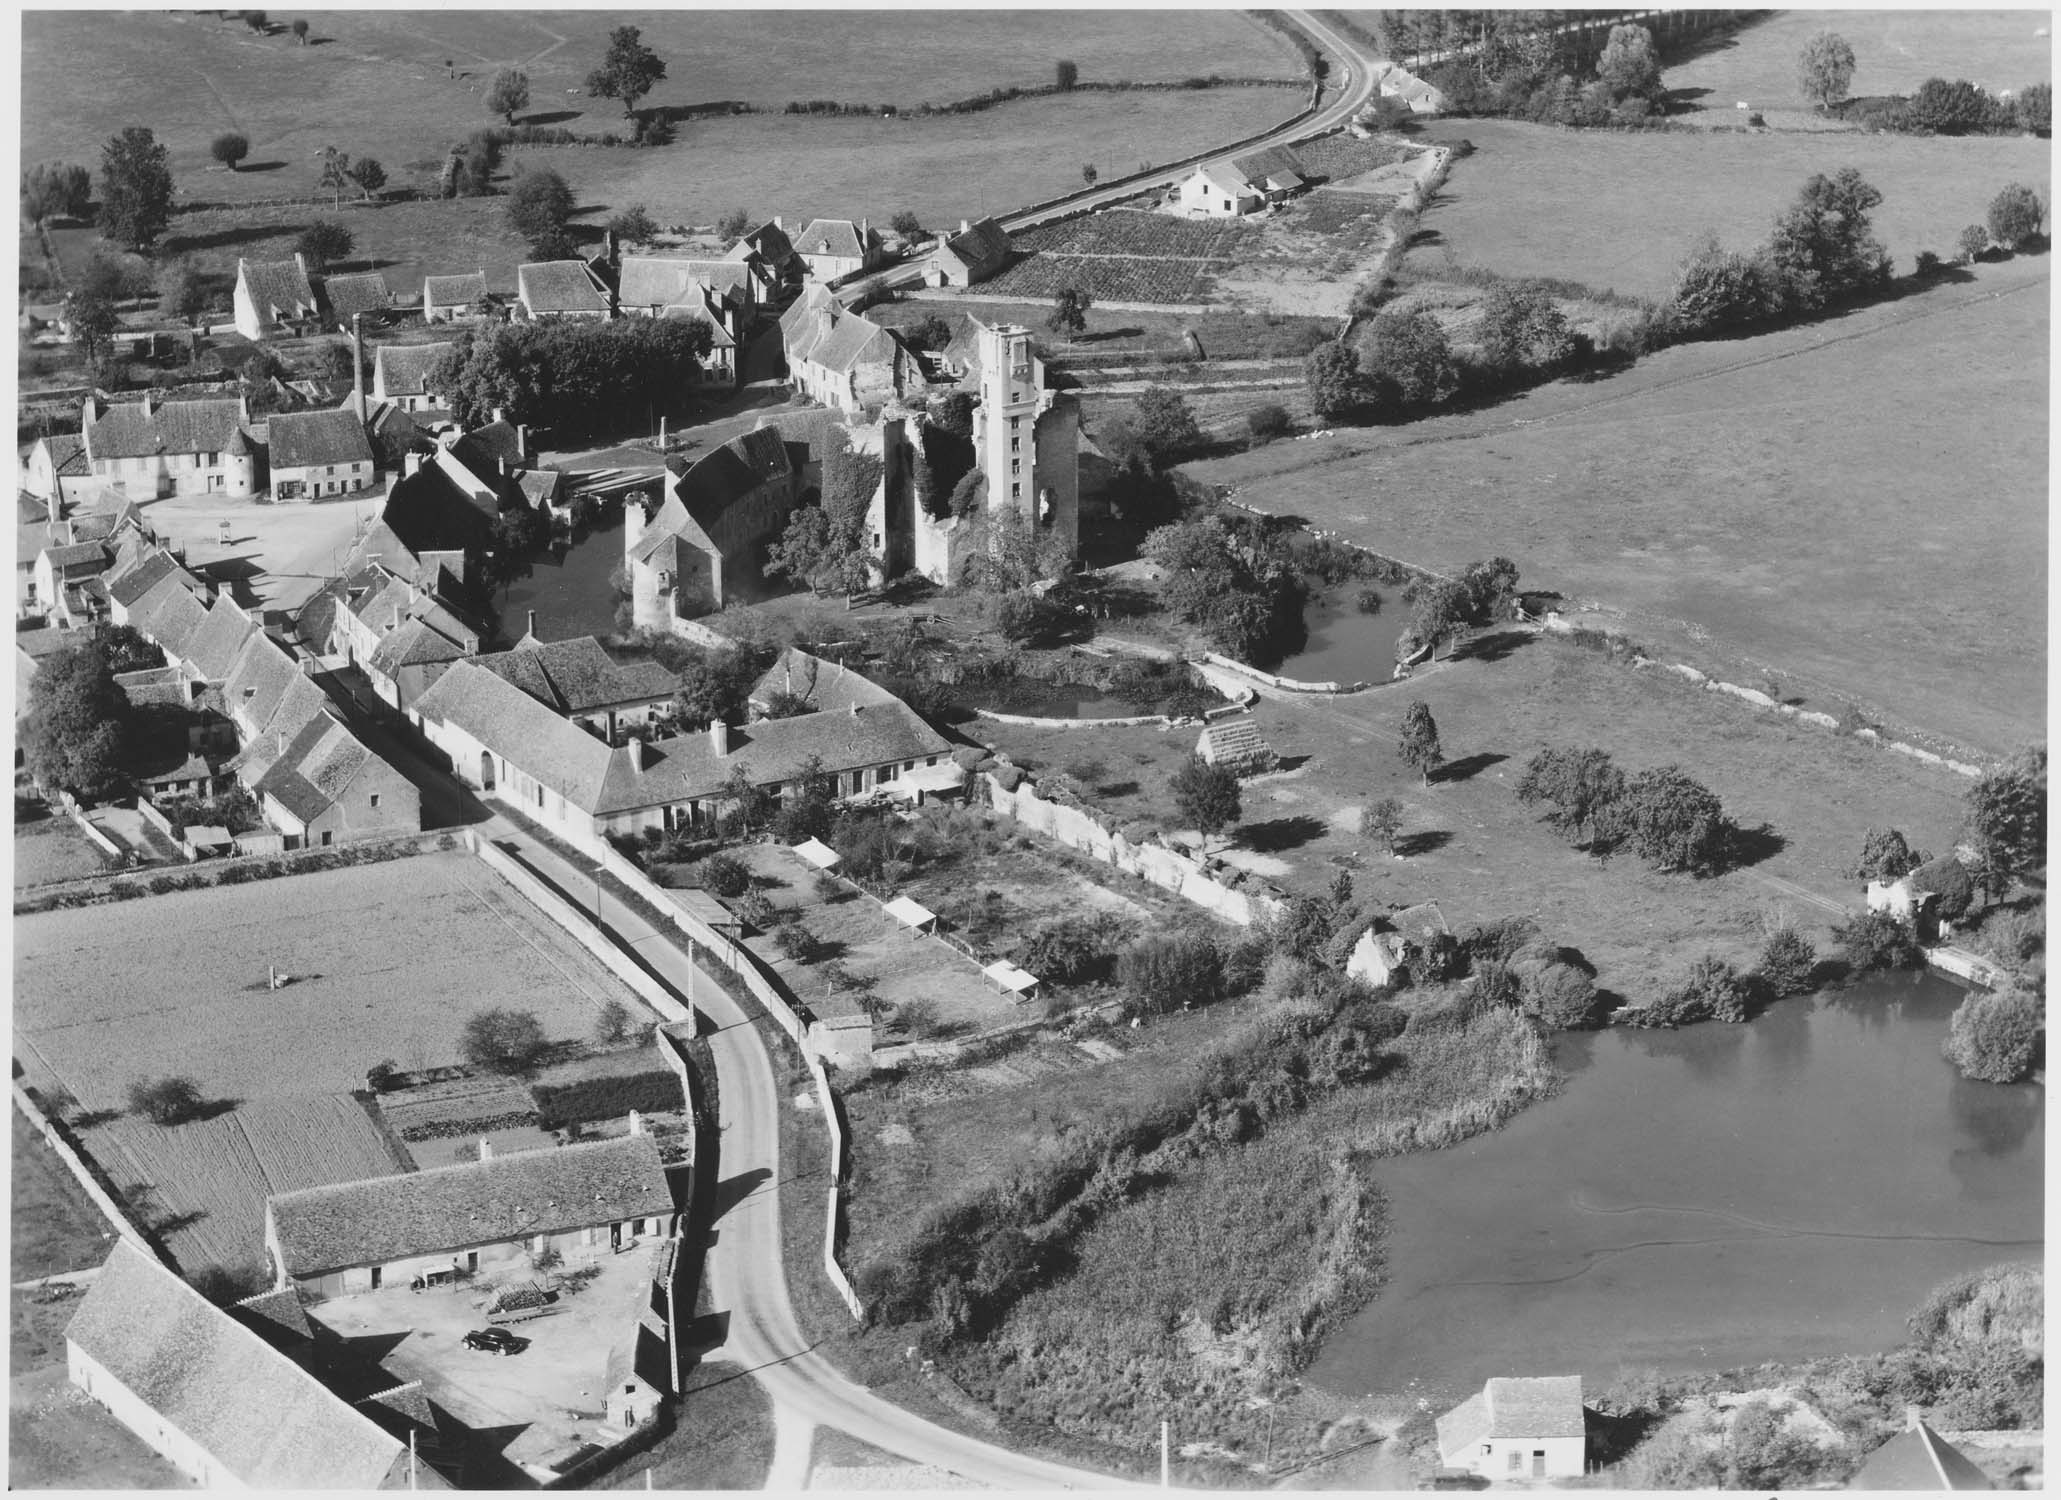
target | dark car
x=496, y=1341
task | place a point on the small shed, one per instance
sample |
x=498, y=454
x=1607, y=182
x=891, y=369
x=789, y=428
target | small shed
x=1236, y=745
x=818, y=855
x=1380, y=952
x=701, y=905
x=1012, y=981
x=912, y=914
x=208, y=838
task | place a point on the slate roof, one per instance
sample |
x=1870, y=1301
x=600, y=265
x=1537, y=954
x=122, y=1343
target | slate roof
x=170, y=615
x=838, y=237
x=303, y=438
x=508, y=721
x=579, y=676
x=983, y=247
x=1538, y=1406
x=1918, y=1459
x=826, y=685
x=384, y=1219
x=768, y=240
x=129, y=430
x=219, y=641
x=275, y=1316
x=725, y=475
x=846, y=341
x=132, y=583
x=484, y=448
x=1276, y=164
x=316, y=767
x=667, y=281
x=403, y=369
x=455, y=291
x=258, y=1414
x=426, y=512
x=359, y=292
x=560, y=286
x=276, y=287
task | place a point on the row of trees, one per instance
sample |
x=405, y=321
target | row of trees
x=1404, y=363
x=581, y=376
x=1664, y=814
x=1527, y=72
x=1821, y=252
x=1824, y=73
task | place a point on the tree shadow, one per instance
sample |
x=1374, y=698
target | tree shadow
x=171, y=1224
x=1104, y=335
x=1278, y=834
x=1750, y=846
x=550, y=117
x=1467, y=767
x=243, y=167
x=1492, y=648
x=86, y=1119
x=1428, y=841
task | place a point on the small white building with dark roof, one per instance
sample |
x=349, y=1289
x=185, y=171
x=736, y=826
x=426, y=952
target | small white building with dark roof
x=401, y=374
x=148, y=449
x=1528, y=1427
x=273, y=296
x=833, y=249
x=584, y=1201
x=453, y=299
x=316, y=454
x=979, y=250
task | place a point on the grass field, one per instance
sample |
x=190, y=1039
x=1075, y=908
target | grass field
x=1779, y=498
x=52, y=848
x=54, y=1226
x=1894, y=51
x=1607, y=209
x=178, y=978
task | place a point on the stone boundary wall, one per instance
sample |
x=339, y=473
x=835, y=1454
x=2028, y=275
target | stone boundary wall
x=1286, y=684
x=100, y=840
x=60, y=1139
x=833, y=1223
x=1163, y=866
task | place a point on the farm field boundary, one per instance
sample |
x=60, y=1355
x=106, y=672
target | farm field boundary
x=74, y=1159
x=241, y=870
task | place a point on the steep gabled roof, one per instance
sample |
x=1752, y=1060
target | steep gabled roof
x=426, y=512
x=455, y=291
x=982, y=246
x=170, y=615
x=301, y=438
x=383, y=1219
x=579, y=676
x=1542, y=1406
x=255, y=1412
x=839, y=237
x=219, y=641
x=1276, y=164
x=828, y=687
x=137, y=429
x=748, y=462
x=508, y=721
x=1918, y=1459
x=484, y=449
x=560, y=286
x=277, y=288
x=317, y=765
x=359, y=292
x=404, y=369
x=768, y=241
x=130, y=584
x=1225, y=178
x=852, y=342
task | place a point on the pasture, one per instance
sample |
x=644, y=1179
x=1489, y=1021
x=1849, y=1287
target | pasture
x=375, y=83
x=52, y=848
x=1894, y=51
x=387, y=961
x=1778, y=502
x=1609, y=210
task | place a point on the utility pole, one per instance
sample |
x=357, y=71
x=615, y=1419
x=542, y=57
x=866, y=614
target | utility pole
x=1166, y=1459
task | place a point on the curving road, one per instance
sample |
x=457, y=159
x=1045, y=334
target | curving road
x=746, y=1276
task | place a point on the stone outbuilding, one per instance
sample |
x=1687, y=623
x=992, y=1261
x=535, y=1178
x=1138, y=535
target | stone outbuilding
x=1519, y=1427
x=1236, y=745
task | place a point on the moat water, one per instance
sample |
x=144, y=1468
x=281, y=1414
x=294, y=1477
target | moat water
x=1703, y=1199
x=568, y=588
x=1344, y=645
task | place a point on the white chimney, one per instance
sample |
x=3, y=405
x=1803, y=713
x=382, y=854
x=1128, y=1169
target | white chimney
x=502, y=465
x=397, y=618
x=637, y=755
x=522, y=440
x=357, y=366
x=411, y=465
x=531, y=633
x=778, y=225
x=718, y=738
x=636, y=1123
x=966, y=226
x=486, y=1150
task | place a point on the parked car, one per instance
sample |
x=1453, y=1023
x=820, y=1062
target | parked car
x=496, y=1341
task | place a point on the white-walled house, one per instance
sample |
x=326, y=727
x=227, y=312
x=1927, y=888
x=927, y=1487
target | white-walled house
x=401, y=374
x=273, y=296
x=1530, y=1427
x=148, y=449
x=1214, y=191
x=454, y=299
x=316, y=454
x=832, y=249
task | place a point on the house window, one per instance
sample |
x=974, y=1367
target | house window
x=375, y=799
x=1516, y=1460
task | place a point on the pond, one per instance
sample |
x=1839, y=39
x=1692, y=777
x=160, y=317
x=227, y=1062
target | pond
x=1344, y=645
x=1703, y=1199
x=568, y=588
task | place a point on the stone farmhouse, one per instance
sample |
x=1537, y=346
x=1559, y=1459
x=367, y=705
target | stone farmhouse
x=834, y=249
x=700, y=549
x=449, y=299
x=515, y=748
x=273, y=297
x=582, y=1201
x=1530, y=1427
x=979, y=250
x=74, y=563
x=1383, y=949
x=551, y=290
x=841, y=359
x=1242, y=185
x=147, y=449
x=213, y=1397
x=317, y=454
x=360, y=294
x=401, y=635
x=724, y=294
x=769, y=253
x=401, y=374
x=56, y=469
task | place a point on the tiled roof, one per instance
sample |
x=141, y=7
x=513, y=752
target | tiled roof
x=384, y=1219
x=768, y=240
x=132, y=583
x=219, y=641
x=579, y=676
x=746, y=463
x=1276, y=163
x=838, y=237
x=827, y=686
x=810, y=434
x=275, y=1316
x=1224, y=178
x=484, y=448
x=315, y=768
x=299, y=439
x=264, y=1419
x=360, y=292
x=508, y=721
x=78, y=559
x=276, y=287
x=1534, y=1406
x=403, y=369
x=426, y=512
x=1918, y=1459
x=549, y=286
x=665, y=280
x=128, y=431
x=455, y=291
x=853, y=341
x=417, y=643
x=266, y=692
x=170, y=615
x=983, y=246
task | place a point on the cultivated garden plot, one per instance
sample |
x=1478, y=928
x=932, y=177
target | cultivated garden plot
x=440, y=1124
x=177, y=984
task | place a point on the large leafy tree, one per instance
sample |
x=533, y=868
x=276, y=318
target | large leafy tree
x=1165, y=424
x=55, y=188
x=1886, y=856
x=1670, y=818
x=1630, y=64
x=1069, y=311
x=1576, y=787
x=2007, y=820
x=76, y=733
x=1408, y=361
x=229, y=148
x=628, y=70
x=589, y=377
x=1824, y=68
x=2015, y=216
x=539, y=203
x=1417, y=744
x=91, y=316
x=1822, y=250
x=1443, y=609
x=1332, y=371
x=504, y=1040
x=1523, y=329
x=1997, y=1037
x=509, y=92
x=1233, y=582
x=1719, y=288
x=325, y=242
x=1207, y=795
x=135, y=188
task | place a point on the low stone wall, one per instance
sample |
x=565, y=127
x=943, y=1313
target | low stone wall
x=1286, y=684
x=1028, y=721
x=100, y=840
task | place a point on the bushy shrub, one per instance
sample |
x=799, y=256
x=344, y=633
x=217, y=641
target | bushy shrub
x=1168, y=971
x=1948, y=880
x=1561, y=997
x=1069, y=950
x=1876, y=940
x=1787, y=962
x=608, y=1098
x=1997, y=1037
x=165, y=1101
x=506, y=1041
x=756, y=911
x=1711, y=990
x=1266, y=423
x=724, y=875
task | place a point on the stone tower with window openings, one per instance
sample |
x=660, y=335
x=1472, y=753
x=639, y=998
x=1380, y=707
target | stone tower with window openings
x=1025, y=439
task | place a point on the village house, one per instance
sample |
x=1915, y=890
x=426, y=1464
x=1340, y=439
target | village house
x=581, y=1201
x=128, y=584
x=147, y=449
x=722, y=294
x=1531, y=1427
x=841, y=359
x=360, y=294
x=215, y=1399
x=979, y=250
x=317, y=454
x=551, y=290
x=170, y=614
x=399, y=634
x=1384, y=949
x=452, y=299
x=56, y=469
x=326, y=786
x=580, y=681
x=1276, y=173
x=1215, y=190
x=769, y=253
x=515, y=749
x=833, y=249
x=272, y=297
x=401, y=374
x=700, y=549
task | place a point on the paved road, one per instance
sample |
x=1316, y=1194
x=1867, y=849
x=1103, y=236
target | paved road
x=746, y=1278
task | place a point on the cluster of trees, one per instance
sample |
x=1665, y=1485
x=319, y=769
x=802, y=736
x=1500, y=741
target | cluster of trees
x=1405, y=364
x=1664, y=815
x=2015, y=221
x=1518, y=68
x=77, y=734
x=827, y=545
x=1713, y=990
x=1232, y=576
x=1444, y=608
x=540, y=209
x=1821, y=252
x=1824, y=72
x=55, y=189
x=584, y=376
x=135, y=189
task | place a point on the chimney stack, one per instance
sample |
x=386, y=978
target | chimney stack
x=718, y=738
x=397, y=618
x=636, y=748
x=411, y=465
x=966, y=226
x=636, y=1123
x=522, y=440
x=531, y=633
x=358, y=365
x=500, y=414
x=777, y=224
x=486, y=1149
